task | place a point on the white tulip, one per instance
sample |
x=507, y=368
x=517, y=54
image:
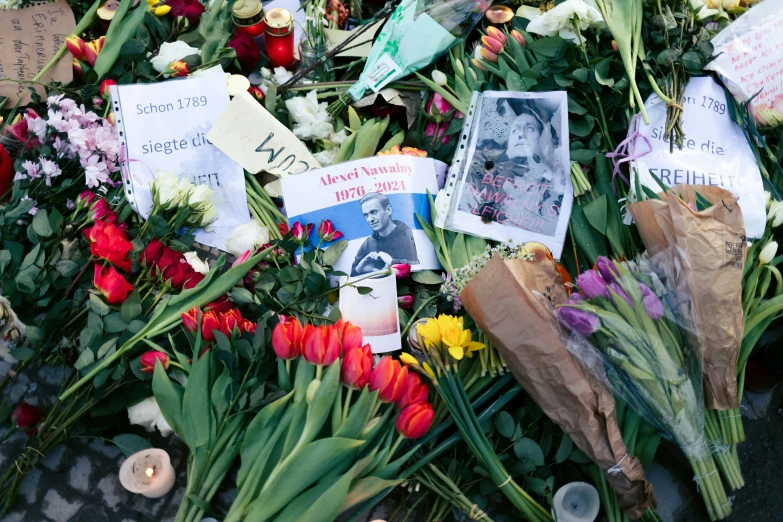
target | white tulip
x=147, y=413
x=767, y=199
x=246, y=237
x=195, y=263
x=768, y=252
x=439, y=78
x=775, y=213
x=165, y=190
x=171, y=52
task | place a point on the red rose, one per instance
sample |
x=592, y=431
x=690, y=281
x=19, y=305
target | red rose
x=152, y=252
x=6, y=171
x=111, y=284
x=219, y=305
x=27, y=417
x=248, y=54
x=167, y=259
x=174, y=275
x=192, y=280
x=108, y=242
x=190, y=9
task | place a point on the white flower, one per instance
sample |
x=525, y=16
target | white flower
x=195, y=263
x=266, y=73
x=199, y=196
x=768, y=252
x=171, y=52
x=311, y=120
x=767, y=199
x=209, y=216
x=338, y=137
x=775, y=214
x=147, y=413
x=282, y=75
x=325, y=157
x=246, y=237
x=165, y=190
x=439, y=78
x=559, y=21
x=236, y=83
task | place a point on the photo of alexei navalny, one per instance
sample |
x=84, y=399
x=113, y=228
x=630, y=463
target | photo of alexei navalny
x=516, y=175
x=391, y=241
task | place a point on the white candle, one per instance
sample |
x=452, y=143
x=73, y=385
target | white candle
x=576, y=502
x=148, y=472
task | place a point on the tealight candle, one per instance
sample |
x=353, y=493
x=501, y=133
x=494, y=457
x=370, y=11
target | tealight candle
x=148, y=472
x=576, y=502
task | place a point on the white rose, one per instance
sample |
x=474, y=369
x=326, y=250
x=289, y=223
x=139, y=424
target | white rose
x=558, y=21
x=209, y=216
x=165, y=189
x=246, y=237
x=171, y=52
x=195, y=263
x=147, y=413
x=199, y=195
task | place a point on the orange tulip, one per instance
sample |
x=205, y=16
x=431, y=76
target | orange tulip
x=388, y=378
x=320, y=344
x=77, y=47
x=357, y=367
x=493, y=44
x=287, y=339
x=190, y=320
x=414, y=391
x=497, y=34
x=415, y=420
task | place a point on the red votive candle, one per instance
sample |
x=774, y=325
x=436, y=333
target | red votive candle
x=279, y=28
x=249, y=17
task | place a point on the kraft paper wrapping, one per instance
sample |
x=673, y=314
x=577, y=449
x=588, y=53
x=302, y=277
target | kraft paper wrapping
x=711, y=248
x=522, y=325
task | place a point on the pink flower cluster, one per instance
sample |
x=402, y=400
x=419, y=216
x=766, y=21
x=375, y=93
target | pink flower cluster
x=73, y=133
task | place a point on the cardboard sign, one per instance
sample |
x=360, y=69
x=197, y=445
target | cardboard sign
x=29, y=39
x=252, y=137
x=163, y=126
x=358, y=48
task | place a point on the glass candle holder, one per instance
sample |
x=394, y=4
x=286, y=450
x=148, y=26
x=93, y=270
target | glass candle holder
x=279, y=29
x=248, y=16
x=310, y=54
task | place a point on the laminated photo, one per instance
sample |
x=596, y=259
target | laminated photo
x=513, y=182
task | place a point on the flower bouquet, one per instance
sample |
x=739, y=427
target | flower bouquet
x=627, y=330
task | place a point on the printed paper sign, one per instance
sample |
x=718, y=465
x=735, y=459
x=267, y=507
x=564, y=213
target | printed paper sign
x=252, y=137
x=714, y=151
x=358, y=48
x=749, y=57
x=375, y=313
x=373, y=202
x=510, y=179
x=29, y=39
x=163, y=126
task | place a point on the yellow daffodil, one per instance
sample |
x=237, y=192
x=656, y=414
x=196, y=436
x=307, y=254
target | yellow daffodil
x=430, y=331
x=158, y=8
x=407, y=358
x=428, y=369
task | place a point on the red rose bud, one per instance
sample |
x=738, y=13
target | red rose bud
x=229, y=321
x=6, y=170
x=301, y=233
x=287, y=339
x=415, y=420
x=190, y=320
x=350, y=335
x=77, y=47
x=388, y=378
x=327, y=232
x=209, y=323
x=85, y=198
x=190, y=9
x=497, y=34
x=175, y=275
x=111, y=284
x=401, y=270
x=152, y=253
x=248, y=326
x=257, y=93
x=492, y=44
x=149, y=359
x=414, y=391
x=26, y=417
x=98, y=209
x=357, y=367
x=283, y=228
x=105, y=84
x=177, y=69
x=320, y=345
x=405, y=301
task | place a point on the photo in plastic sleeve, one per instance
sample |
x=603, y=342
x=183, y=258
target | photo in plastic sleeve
x=516, y=183
x=374, y=203
x=376, y=313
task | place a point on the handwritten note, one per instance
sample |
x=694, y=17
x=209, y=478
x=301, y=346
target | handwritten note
x=29, y=39
x=252, y=137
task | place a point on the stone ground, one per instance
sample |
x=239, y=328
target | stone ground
x=79, y=483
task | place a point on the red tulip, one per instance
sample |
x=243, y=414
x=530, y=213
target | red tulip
x=414, y=391
x=27, y=417
x=241, y=259
x=357, y=367
x=320, y=344
x=287, y=339
x=516, y=35
x=301, y=233
x=415, y=420
x=248, y=326
x=388, y=377
x=229, y=321
x=149, y=359
x=350, y=335
x=111, y=284
x=104, y=90
x=152, y=253
x=283, y=228
x=497, y=34
x=327, y=232
x=493, y=44
x=91, y=50
x=405, y=301
x=209, y=323
x=401, y=270
x=190, y=320
x=257, y=93
x=78, y=68
x=20, y=131
x=77, y=47
x=221, y=304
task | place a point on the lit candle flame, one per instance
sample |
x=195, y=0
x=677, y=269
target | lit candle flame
x=150, y=472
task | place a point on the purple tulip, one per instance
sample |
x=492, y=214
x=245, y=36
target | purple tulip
x=607, y=269
x=617, y=289
x=579, y=321
x=592, y=284
x=576, y=297
x=652, y=303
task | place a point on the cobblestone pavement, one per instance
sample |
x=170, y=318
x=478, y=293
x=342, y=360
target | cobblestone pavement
x=79, y=482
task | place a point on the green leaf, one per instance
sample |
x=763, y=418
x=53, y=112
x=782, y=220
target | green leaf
x=98, y=306
x=595, y=212
x=197, y=417
x=589, y=240
x=5, y=409
x=106, y=348
x=5, y=259
x=67, y=268
x=579, y=457
x=131, y=308
x=354, y=123
x=366, y=489
x=566, y=445
x=119, y=32
x=113, y=323
x=527, y=450
x=505, y=424
x=323, y=502
x=220, y=396
x=41, y=223
x=551, y=46
x=130, y=443
x=602, y=72
x=363, y=290
x=427, y=277
x=86, y=358
x=168, y=398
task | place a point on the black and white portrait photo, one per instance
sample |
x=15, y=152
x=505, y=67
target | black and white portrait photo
x=514, y=180
x=391, y=241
